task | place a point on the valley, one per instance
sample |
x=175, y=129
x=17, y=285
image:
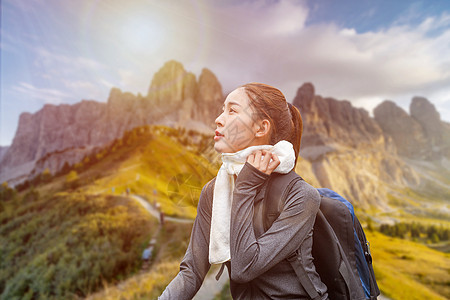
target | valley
x=82, y=196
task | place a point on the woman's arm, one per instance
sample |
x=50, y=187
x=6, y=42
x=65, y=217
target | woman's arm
x=195, y=264
x=251, y=257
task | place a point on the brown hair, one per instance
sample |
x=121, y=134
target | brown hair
x=285, y=119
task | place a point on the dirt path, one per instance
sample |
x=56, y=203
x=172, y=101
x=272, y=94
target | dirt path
x=210, y=286
x=154, y=212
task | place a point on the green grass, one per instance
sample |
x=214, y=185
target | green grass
x=73, y=234
x=158, y=168
x=84, y=237
x=64, y=246
x=172, y=244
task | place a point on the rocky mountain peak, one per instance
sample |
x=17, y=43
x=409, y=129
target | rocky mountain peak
x=210, y=97
x=170, y=84
x=405, y=131
x=328, y=121
x=305, y=95
x=424, y=112
x=68, y=132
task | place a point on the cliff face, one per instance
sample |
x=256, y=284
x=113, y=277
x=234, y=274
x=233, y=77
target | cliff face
x=406, y=132
x=344, y=149
x=71, y=131
x=3, y=150
x=329, y=122
x=420, y=135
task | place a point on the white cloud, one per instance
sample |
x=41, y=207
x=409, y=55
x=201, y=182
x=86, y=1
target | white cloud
x=396, y=62
x=60, y=64
x=51, y=96
x=265, y=41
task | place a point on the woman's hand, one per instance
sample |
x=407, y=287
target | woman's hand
x=264, y=161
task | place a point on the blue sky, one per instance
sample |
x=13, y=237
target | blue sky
x=62, y=51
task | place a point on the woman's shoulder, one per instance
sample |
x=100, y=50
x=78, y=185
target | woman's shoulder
x=306, y=189
x=206, y=197
x=209, y=186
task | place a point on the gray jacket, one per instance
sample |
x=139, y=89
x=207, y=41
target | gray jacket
x=258, y=267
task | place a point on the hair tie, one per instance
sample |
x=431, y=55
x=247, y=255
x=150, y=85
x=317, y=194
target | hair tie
x=289, y=108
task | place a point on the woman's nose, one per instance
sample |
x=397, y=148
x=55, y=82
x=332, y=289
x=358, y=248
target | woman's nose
x=219, y=120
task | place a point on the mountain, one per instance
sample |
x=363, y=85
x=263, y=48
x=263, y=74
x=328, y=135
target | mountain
x=69, y=234
x=421, y=134
x=368, y=159
x=65, y=133
x=3, y=150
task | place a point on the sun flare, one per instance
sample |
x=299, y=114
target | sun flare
x=142, y=34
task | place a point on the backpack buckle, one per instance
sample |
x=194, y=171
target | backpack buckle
x=367, y=253
x=293, y=256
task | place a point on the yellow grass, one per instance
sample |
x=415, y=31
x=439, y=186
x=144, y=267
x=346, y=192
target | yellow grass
x=408, y=270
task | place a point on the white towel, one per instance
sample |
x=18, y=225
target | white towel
x=219, y=239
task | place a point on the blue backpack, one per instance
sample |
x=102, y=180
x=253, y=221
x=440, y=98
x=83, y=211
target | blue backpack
x=340, y=249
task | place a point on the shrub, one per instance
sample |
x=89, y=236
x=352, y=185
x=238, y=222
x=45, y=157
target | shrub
x=64, y=247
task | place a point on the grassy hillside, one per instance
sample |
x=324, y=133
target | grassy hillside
x=409, y=270
x=172, y=244
x=68, y=235
x=77, y=234
x=65, y=245
x=404, y=270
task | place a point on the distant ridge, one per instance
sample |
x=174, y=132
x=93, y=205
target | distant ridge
x=343, y=146
x=176, y=98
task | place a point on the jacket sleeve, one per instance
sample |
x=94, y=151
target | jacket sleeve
x=195, y=263
x=251, y=257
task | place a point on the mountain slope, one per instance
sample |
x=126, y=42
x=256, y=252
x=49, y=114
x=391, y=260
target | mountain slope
x=68, y=235
x=176, y=98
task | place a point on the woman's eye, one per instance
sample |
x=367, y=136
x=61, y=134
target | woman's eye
x=232, y=110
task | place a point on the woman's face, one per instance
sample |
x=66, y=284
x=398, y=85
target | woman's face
x=236, y=127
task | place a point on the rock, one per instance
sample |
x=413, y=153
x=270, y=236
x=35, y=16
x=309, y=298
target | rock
x=52, y=129
x=406, y=132
x=3, y=150
x=188, y=105
x=327, y=121
x=210, y=98
x=168, y=85
x=424, y=112
x=304, y=98
x=68, y=132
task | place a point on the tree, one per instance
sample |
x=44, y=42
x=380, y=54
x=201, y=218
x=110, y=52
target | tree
x=71, y=179
x=66, y=168
x=46, y=175
x=7, y=193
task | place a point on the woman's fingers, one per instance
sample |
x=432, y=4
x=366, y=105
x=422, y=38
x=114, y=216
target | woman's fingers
x=263, y=160
x=251, y=159
x=257, y=159
x=274, y=163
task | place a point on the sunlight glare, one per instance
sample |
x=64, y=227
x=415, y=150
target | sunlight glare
x=142, y=35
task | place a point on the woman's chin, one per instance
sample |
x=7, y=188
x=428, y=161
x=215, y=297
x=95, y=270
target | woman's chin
x=221, y=146
x=218, y=148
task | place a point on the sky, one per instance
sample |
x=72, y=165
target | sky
x=64, y=51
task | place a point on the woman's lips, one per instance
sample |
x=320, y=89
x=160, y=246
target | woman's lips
x=218, y=136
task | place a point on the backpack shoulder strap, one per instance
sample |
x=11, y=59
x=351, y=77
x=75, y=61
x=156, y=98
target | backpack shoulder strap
x=276, y=190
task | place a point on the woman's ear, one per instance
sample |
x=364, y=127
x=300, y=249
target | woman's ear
x=263, y=129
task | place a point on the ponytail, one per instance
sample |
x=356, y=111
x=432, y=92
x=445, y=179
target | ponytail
x=297, y=129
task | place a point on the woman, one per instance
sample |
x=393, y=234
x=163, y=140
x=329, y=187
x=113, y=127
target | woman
x=258, y=133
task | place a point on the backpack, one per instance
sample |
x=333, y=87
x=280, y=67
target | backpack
x=340, y=249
